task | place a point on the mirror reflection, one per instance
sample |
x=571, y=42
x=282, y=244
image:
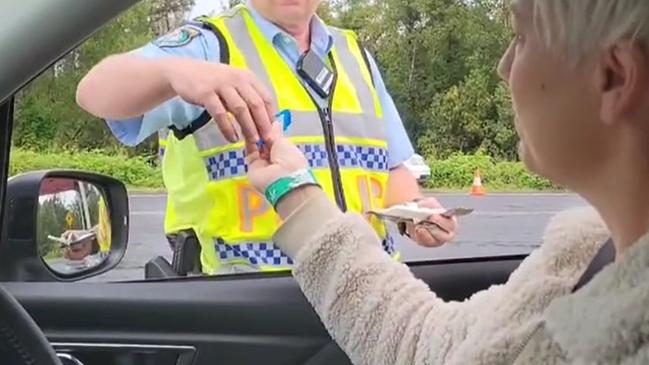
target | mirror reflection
x=73, y=225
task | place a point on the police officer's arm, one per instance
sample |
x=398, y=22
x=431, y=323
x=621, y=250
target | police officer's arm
x=125, y=86
x=402, y=185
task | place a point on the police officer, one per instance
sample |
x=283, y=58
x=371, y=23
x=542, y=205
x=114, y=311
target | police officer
x=217, y=81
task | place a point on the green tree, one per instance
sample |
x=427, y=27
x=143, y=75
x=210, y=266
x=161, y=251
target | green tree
x=434, y=54
x=47, y=115
x=471, y=116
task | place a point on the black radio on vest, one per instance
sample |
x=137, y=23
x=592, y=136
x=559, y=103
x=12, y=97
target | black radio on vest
x=316, y=73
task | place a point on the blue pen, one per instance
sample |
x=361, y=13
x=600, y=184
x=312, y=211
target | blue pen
x=285, y=118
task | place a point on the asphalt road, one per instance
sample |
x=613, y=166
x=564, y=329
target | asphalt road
x=501, y=224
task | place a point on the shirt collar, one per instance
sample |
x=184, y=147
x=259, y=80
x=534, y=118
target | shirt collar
x=321, y=39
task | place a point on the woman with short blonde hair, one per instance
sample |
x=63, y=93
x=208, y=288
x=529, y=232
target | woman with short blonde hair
x=578, y=71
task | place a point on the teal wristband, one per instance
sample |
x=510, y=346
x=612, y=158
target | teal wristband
x=284, y=185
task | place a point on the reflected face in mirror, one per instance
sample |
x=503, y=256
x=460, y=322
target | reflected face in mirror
x=73, y=225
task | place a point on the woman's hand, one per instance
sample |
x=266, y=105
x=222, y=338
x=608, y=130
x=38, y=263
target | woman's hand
x=276, y=159
x=423, y=237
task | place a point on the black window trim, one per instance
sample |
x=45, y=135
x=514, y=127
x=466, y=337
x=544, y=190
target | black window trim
x=6, y=126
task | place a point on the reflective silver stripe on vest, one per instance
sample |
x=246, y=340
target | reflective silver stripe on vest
x=241, y=37
x=305, y=124
x=354, y=71
x=345, y=125
x=163, y=133
x=209, y=136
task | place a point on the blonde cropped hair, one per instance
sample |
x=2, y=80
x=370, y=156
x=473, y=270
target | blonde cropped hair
x=578, y=27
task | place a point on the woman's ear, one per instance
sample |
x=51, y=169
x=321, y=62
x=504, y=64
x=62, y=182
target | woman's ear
x=623, y=81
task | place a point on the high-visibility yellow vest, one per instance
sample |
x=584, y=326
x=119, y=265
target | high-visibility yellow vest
x=205, y=175
x=103, y=227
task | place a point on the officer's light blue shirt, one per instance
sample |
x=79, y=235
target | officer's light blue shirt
x=205, y=46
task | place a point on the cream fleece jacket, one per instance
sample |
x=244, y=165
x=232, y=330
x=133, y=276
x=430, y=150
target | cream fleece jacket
x=379, y=313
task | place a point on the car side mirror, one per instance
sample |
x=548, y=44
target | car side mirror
x=63, y=226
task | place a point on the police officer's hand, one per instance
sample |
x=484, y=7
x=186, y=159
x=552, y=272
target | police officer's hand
x=280, y=159
x=436, y=237
x=223, y=89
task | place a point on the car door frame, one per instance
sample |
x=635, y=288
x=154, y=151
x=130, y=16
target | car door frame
x=6, y=127
x=237, y=319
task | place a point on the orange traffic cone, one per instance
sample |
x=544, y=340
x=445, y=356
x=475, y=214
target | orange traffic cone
x=477, y=189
